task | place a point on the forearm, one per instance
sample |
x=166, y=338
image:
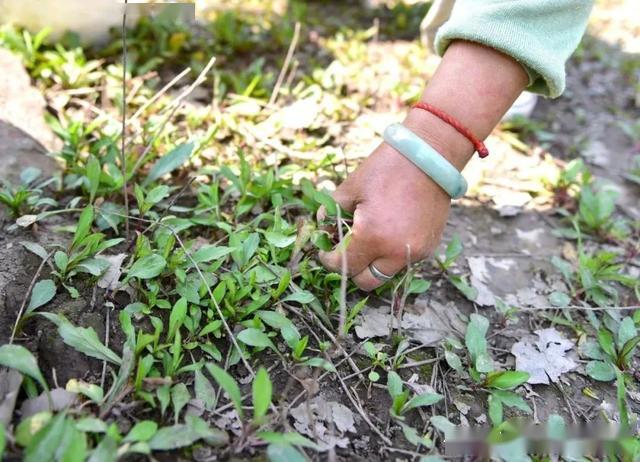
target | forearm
x=474, y=84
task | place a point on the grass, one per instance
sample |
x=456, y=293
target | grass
x=227, y=306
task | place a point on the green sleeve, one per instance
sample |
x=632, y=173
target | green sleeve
x=540, y=34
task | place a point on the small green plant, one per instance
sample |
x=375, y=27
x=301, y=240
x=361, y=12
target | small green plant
x=27, y=197
x=594, y=278
x=482, y=371
x=445, y=263
x=612, y=352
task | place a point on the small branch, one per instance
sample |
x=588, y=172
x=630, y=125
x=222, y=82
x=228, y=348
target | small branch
x=123, y=158
x=285, y=65
x=175, y=105
x=343, y=277
x=26, y=296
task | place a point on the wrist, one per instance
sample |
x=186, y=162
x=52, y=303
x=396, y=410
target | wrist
x=440, y=136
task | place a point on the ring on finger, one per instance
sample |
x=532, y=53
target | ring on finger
x=379, y=275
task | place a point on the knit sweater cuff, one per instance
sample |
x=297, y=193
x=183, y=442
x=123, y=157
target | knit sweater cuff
x=539, y=34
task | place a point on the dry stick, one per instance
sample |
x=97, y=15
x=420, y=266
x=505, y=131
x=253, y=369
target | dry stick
x=285, y=65
x=333, y=339
x=123, y=158
x=158, y=95
x=26, y=296
x=106, y=343
x=363, y=414
x=175, y=105
x=343, y=276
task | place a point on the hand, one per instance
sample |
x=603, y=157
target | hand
x=399, y=214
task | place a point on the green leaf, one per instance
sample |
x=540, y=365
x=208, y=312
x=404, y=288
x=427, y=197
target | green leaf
x=44, y=444
x=180, y=397
x=261, y=393
x=84, y=225
x=94, y=266
x=177, y=317
x=601, y=371
x=19, y=358
x=91, y=425
x=90, y=390
x=27, y=428
x=93, y=175
x=256, y=338
x=3, y=440
x=512, y=399
x=147, y=267
x=418, y=286
x=506, y=380
x=453, y=250
x=83, y=339
x=175, y=437
x=559, y=299
x=229, y=385
x=35, y=249
x=209, y=253
x=463, y=286
x=106, y=451
x=626, y=331
x=156, y=195
x=394, y=384
x=453, y=360
x=605, y=339
x=170, y=162
x=43, y=292
x=300, y=296
x=475, y=340
x=627, y=350
x=444, y=425
x=425, y=399
x=284, y=452
x=142, y=431
x=204, y=390
x=279, y=240
x=495, y=410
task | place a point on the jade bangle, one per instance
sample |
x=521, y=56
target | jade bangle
x=426, y=159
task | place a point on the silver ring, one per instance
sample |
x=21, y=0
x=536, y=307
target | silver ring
x=379, y=275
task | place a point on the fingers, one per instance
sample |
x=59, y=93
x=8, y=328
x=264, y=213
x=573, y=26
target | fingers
x=367, y=281
x=343, y=198
x=357, y=249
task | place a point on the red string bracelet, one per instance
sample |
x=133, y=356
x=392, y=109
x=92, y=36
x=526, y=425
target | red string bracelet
x=477, y=144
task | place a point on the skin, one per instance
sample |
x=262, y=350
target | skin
x=399, y=212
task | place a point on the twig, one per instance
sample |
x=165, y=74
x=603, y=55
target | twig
x=175, y=105
x=343, y=276
x=26, y=296
x=363, y=414
x=285, y=65
x=420, y=363
x=581, y=308
x=159, y=94
x=106, y=343
x=123, y=158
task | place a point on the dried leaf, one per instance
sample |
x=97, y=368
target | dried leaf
x=545, y=358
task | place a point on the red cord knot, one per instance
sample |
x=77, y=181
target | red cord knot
x=478, y=145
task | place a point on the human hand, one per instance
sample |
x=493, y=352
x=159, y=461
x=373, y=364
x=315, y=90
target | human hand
x=399, y=214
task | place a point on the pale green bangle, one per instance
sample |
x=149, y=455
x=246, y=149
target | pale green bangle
x=426, y=159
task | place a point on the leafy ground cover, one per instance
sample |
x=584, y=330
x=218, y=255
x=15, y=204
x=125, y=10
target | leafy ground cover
x=167, y=301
